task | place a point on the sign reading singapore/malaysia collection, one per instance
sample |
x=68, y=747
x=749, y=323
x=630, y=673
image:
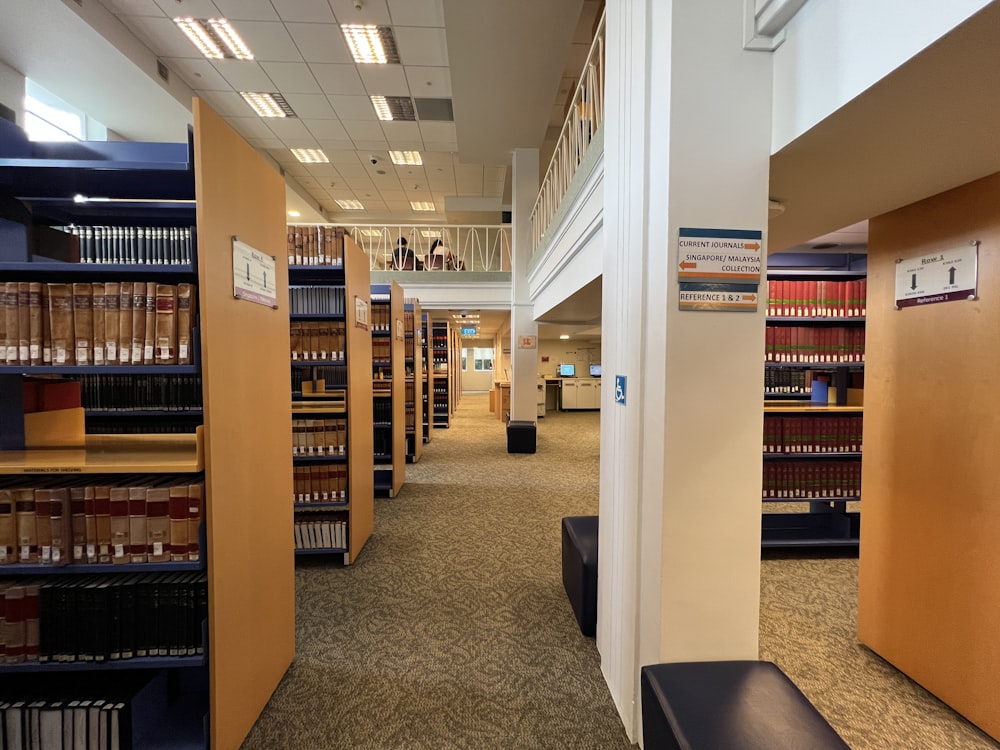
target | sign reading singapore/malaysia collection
x=938, y=277
x=719, y=269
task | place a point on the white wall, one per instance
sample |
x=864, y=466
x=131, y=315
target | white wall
x=12, y=91
x=472, y=380
x=835, y=49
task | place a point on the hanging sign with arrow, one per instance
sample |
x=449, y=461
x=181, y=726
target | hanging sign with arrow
x=719, y=269
x=938, y=277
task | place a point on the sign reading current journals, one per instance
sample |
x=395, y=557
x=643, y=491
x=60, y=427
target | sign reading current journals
x=719, y=269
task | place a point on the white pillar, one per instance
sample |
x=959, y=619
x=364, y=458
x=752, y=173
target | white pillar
x=523, y=359
x=686, y=145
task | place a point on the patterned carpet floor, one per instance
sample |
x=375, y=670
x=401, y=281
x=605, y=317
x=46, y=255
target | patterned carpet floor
x=452, y=629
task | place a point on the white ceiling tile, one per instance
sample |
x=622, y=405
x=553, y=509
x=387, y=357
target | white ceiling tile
x=323, y=173
x=425, y=82
x=352, y=172
x=247, y=10
x=197, y=74
x=438, y=131
x=265, y=143
x=309, y=11
x=409, y=173
x=135, y=7
x=445, y=158
x=467, y=188
x=291, y=78
x=163, y=37
x=384, y=80
x=363, y=187
x=404, y=136
x=269, y=41
x=364, y=131
x=469, y=172
x=370, y=145
x=336, y=146
x=327, y=129
x=310, y=106
x=393, y=195
x=320, y=42
x=445, y=146
x=421, y=46
x=338, y=79
x=441, y=184
x=344, y=157
x=371, y=11
x=498, y=173
x=250, y=127
x=193, y=8
x=398, y=207
x=493, y=189
x=227, y=103
x=244, y=75
x=417, y=12
x=353, y=107
x=292, y=129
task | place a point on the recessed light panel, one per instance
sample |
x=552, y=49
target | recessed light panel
x=310, y=155
x=267, y=105
x=370, y=43
x=421, y=205
x=350, y=205
x=411, y=158
x=394, y=108
x=215, y=38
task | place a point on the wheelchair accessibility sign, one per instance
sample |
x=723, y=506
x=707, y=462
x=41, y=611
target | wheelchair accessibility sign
x=620, y=389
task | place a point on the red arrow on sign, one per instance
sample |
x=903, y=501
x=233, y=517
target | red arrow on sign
x=685, y=264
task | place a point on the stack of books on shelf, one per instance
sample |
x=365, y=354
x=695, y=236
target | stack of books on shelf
x=320, y=534
x=812, y=434
x=816, y=480
x=98, y=323
x=125, y=245
x=319, y=437
x=317, y=341
x=798, y=298
x=316, y=300
x=315, y=246
x=57, y=521
x=814, y=345
x=321, y=483
x=129, y=393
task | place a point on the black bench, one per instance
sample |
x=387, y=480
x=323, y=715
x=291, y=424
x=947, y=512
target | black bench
x=729, y=705
x=579, y=569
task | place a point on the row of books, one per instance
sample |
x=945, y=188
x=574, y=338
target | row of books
x=381, y=350
x=318, y=341
x=65, y=619
x=119, y=424
x=125, y=393
x=812, y=344
x=322, y=483
x=381, y=313
x=128, y=323
x=151, y=245
x=382, y=444
x=811, y=479
x=315, y=246
x=319, y=437
x=382, y=410
x=316, y=300
x=791, y=298
x=812, y=434
x=146, y=519
x=411, y=417
x=321, y=534
x=65, y=725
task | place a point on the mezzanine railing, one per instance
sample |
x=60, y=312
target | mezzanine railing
x=475, y=248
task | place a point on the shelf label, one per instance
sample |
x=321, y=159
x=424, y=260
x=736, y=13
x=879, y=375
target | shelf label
x=400, y=334
x=253, y=275
x=361, y=313
x=732, y=255
x=945, y=276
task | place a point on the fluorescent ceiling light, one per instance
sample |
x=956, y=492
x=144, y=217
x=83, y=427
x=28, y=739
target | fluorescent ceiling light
x=421, y=205
x=412, y=158
x=267, y=105
x=430, y=232
x=310, y=155
x=294, y=214
x=370, y=232
x=394, y=108
x=215, y=38
x=350, y=205
x=564, y=336
x=381, y=108
x=370, y=43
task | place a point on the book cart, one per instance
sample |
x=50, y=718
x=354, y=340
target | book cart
x=142, y=648
x=814, y=365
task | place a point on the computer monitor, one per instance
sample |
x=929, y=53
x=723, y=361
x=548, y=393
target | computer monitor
x=567, y=371
x=595, y=371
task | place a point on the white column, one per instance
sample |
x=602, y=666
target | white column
x=686, y=145
x=524, y=361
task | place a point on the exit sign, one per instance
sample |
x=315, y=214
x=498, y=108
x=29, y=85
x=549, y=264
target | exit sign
x=469, y=331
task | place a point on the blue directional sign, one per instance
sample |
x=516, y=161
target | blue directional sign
x=620, y=389
x=469, y=331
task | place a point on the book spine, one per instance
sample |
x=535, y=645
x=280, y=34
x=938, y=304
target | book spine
x=99, y=308
x=83, y=322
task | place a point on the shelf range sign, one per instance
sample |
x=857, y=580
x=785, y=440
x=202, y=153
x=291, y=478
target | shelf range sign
x=938, y=277
x=719, y=269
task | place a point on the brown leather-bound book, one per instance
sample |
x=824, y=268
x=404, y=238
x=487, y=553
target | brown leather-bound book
x=35, y=323
x=8, y=528
x=166, y=324
x=138, y=321
x=32, y=624
x=149, y=347
x=23, y=323
x=13, y=624
x=60, y=522
x=46, y=327
x=90, y=525
x=78, y=522
x=99, y=307
x=121, y=548
x=186, y=304
x=43, y=525
x=27, y=532
x=102, y=522
x=178, y=510
x=137, y=524
x=125, y=323
x=61, y=323
x=10, y=323
x=196, y=502
x=158, y=524
x=112, y=303
x=83, y=322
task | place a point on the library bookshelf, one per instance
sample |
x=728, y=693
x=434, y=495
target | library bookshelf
x=427, y=364
x=331, y=322
x=813, y=381
x=441, y=374
x=204, y=689
x=388, y=387
x=413, y=360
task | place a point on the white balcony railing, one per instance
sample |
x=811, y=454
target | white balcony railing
x=475, y=248
x=586, y=113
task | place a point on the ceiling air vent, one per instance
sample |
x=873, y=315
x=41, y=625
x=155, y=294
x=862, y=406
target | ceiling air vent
x=163, y=71
x=435, y=109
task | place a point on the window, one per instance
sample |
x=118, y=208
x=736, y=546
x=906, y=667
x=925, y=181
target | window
x=49, y=118
x=482, y=359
